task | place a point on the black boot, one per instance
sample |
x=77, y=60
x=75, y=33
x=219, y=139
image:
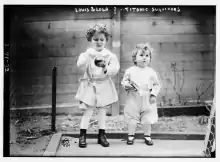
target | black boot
x=130, y=142
x=82, y=138
x=102, y=139
x=148, y=142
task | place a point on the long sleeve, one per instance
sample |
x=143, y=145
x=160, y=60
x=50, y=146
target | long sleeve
x=113, y=66
x=82, y=61
x=155, y=84
x=125, y=80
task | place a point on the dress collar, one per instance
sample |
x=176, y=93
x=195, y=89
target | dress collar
x=94, y=52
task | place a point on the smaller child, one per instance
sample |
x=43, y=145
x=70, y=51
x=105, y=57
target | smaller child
x=142, y=86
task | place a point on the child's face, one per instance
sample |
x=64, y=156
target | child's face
x=98, y=41
x=143, y=58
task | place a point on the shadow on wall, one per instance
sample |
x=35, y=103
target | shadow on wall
x=206, y=19
x=27, y=66
x=204, y=22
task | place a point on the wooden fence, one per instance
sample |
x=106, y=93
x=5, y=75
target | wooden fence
x=43, y=37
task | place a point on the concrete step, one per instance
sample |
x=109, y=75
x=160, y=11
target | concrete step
x=119, y=148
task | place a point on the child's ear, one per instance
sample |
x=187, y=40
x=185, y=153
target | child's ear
x=134, y=59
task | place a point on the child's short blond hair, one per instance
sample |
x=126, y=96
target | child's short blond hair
x=100, y=28
x=143, y=47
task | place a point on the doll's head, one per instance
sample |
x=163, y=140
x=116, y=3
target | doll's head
x=142, y=54
x=98, y=36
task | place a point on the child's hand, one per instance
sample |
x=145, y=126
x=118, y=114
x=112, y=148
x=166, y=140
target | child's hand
x=152, y=99
x=129, y=87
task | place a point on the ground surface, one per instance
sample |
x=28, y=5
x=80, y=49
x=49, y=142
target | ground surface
x=161, y=148
x=30, y=134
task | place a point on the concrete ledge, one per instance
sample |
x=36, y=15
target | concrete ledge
x=55, y=140
x=53, y=145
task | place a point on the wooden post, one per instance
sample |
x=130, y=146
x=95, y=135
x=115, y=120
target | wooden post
x=116, y=48
x=53, y=121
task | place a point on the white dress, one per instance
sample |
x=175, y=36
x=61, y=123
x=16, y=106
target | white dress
x=96, y=88
x=138, y=107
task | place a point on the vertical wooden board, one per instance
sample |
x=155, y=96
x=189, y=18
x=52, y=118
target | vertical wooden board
x=116, y=48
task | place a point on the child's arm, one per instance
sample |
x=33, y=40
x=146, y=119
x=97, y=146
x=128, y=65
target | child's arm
x=113, y=66
x=155, y=84
x=126, y=78
x=126, y=83
x=82, y=61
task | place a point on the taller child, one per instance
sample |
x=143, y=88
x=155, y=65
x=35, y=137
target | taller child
x=96, y=90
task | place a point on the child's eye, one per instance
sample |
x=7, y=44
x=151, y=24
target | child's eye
x=98, y=40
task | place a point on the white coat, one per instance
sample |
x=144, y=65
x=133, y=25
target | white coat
x=96, y=88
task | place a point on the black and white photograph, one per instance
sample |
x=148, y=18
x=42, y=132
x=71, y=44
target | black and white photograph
x=156, y=64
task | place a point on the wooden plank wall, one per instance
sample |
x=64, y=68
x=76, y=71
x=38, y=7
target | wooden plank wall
x=184, y=40
x=46, y=37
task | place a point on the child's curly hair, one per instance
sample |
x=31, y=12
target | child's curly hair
x=100, y=28
x=143, y=47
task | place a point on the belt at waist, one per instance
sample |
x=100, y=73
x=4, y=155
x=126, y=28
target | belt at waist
x=94, y=79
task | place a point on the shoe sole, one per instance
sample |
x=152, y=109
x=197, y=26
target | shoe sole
x=149, y=144
x=83, y=146
x=102, y=145
x=130, y=143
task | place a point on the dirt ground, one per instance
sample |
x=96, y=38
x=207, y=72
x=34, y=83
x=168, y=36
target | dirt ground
x=30, y=134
